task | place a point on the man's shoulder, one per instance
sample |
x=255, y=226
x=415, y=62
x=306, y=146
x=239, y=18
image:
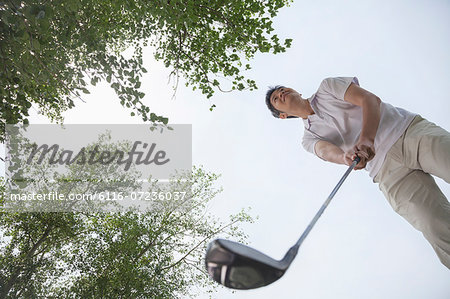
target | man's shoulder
x=336, y=86
x=339, y=80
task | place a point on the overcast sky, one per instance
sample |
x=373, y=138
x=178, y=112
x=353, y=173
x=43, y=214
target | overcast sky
x=360, y=248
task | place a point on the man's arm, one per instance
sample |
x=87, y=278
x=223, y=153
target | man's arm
x=364, y=148
x=332, y=153
x=370, y=105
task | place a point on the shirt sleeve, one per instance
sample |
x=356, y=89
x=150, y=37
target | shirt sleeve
x=309, y=141
x=338, y=86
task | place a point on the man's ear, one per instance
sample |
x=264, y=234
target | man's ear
x=283, y=115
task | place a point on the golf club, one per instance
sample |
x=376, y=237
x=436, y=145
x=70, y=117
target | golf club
x=238, y=266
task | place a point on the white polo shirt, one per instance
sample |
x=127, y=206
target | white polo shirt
x=340, y=122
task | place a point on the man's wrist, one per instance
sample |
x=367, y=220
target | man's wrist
x=363, y=139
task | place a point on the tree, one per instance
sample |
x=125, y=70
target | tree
x=50, y=51
x=151, y=252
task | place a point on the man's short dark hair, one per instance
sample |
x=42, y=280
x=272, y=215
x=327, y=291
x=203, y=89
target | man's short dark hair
x=272, y=109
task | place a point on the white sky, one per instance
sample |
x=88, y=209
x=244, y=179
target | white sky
x=360, y=248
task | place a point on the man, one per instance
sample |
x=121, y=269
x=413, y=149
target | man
x=398, y=148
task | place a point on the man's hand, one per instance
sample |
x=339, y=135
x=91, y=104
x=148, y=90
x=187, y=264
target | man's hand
x=350, y=156
x=364, y=149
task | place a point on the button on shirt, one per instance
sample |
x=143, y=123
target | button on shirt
x=340, y=122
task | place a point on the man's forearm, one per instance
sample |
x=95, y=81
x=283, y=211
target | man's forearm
x=370, y=105
x=329, y=152
x=332, y=153
x=371, y=118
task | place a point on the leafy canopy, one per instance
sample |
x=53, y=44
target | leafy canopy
x=50, y=51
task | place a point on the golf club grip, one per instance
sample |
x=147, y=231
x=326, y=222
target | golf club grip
x=325, y=204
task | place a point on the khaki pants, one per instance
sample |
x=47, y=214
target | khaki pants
x=406, y=182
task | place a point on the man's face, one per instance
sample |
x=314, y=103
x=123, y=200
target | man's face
x=285, y=100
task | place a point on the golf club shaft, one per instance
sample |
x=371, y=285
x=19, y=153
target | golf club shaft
x=292, y=252
x=325, y=204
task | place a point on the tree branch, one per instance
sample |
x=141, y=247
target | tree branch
x=12, y=280
x=200, y=243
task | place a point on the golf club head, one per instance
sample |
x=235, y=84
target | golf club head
x=238, y=266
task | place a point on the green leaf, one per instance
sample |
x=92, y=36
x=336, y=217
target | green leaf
x=36, y=45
